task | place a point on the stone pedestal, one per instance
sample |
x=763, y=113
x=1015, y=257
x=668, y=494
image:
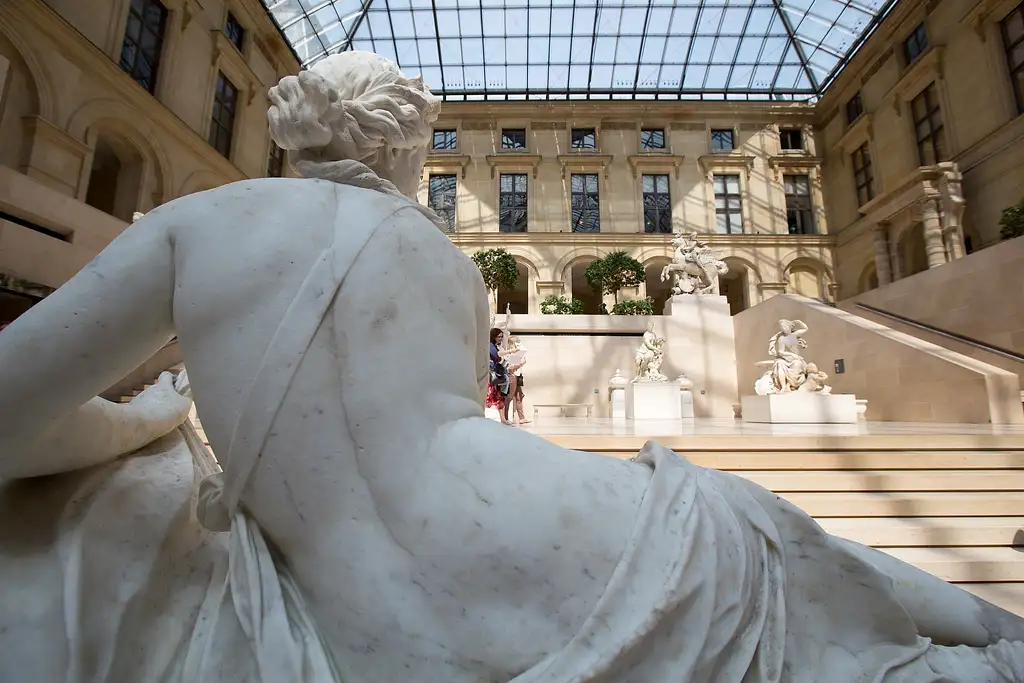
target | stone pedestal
x=692, y=305
x=617, y=396
x=686, y=404
x=653, y=401
x=800, y=408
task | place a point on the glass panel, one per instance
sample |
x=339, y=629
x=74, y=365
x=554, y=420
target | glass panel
x=1013, y=26
x=652, y=139
x=629, y=49
x=732, y=184
x=721, y=140
x=647, y=183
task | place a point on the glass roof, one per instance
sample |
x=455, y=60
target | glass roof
x=590, y=49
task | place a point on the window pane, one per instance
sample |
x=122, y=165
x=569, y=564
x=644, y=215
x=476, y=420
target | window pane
x=1013, y=26
x=647, y=183
x=577, y=183
x=732, y=184
x=736, y=222
x=652, y=139
x=591, y=183
x=505, y=182
x=722, y=223
x=661, y=183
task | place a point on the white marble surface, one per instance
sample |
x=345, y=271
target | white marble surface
x=799, y=407
x=415, y=539
x=653, y=401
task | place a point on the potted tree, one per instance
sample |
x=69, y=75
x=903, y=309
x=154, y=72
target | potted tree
x=498, y=268
x=1011, y=223
x=613, y=273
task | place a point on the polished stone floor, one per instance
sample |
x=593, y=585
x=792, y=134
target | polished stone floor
x=573, y=426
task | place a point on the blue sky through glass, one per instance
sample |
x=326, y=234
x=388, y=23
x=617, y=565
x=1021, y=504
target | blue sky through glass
x=577, y=49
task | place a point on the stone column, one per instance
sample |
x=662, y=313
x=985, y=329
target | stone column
x=883, y=260
x=934, y=244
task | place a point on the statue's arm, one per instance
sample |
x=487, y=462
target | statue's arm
x=99, y=326
x=799, y=327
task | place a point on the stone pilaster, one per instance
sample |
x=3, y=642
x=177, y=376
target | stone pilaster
x=934, y=243
x=883, y=259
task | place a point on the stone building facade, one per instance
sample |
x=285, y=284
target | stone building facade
x=110, y=107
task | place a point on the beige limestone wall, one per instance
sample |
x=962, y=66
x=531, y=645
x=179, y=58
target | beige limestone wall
x=980, y=296
x=983, y=130
x=571, y=358
x=764, y=259
x=904, y=379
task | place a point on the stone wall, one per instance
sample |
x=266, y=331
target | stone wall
x=903, y=378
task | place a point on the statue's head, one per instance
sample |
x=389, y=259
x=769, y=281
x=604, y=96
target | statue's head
x=359, y=106
x=786, y=326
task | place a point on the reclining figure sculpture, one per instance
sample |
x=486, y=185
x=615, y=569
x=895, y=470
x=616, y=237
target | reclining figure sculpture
x=370, y=525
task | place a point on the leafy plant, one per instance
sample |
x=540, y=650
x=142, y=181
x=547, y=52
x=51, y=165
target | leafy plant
x=556, y=304
x=614, y=272
x=498, y=268
x=634, y=307
x=1011, y=223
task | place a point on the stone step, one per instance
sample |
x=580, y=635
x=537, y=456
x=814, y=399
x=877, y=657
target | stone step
x=1002, y=459
x=883, y=532
x=966, y=565
x=888, y=480
x=909, y=504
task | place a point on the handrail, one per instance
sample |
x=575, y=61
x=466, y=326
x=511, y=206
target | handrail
x=985, y=346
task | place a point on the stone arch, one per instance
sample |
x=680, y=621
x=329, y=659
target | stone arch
x=564, y=266
x=656, y=290
x=740, y=285
x=575, y=284
x=808, y=276
x=45, y=91
x=114, y=119
x=201, y=181
x=911, y=252
x=868, y=279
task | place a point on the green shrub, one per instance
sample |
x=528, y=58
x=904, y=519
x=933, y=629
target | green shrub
x=1011, y=223
x=614, y=272
x=498, y=268
x=634, y=307
x=556, y=304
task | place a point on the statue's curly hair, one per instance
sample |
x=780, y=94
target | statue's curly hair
x=353, y=106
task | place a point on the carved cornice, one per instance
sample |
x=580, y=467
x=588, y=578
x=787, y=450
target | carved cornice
x=794, y=162
x=447, y=162
x=655, y=160
x=513, y=161
x=983, y=12
x=855, y=135
x=710, y=163
x=927, y=68
x=607, y=240
x=585, y=161
x=921, y=185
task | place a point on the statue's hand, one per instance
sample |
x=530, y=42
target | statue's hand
x=301, y=115
x=162, y=402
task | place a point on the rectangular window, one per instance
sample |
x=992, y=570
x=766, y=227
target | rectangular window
x=915, y=44
x=514, y=138
x=863, y=175
x=512, y=202
x=722, y=141
x=275, y=161
x=928, y=126
x=657, y=204
x=584, y=138
x=144, y=41
x=728, y=204
x=1013, y=40
x=792, y=139
x=854, y=108
x=234, y=31
x=652, y=138
x=441, y=198
x=798, y=204
x=222, y=124
x=446, y=140
x=586, y=205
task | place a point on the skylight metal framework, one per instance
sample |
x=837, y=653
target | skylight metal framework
x=594, y=49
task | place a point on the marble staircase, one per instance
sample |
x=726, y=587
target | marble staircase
x=950, y=505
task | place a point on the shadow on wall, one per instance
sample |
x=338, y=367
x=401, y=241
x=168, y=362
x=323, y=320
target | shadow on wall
x=903, y=378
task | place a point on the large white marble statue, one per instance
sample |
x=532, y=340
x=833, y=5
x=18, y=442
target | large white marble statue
x=650, y=356
x=370, y=525
x=694, y=269
x=788, y=370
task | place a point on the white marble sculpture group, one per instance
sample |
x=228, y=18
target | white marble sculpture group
x=788, y=370
x=650, y=356
x=370, y=525
x=694, y=269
